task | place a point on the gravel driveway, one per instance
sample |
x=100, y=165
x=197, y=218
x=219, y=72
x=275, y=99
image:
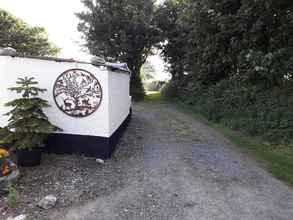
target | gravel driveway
x=178, y=168
x=170, y=166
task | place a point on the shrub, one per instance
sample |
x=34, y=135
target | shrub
x=136, y=90
x=244, y=107
x=12, y=197
x=28, y=127
x=169, y=90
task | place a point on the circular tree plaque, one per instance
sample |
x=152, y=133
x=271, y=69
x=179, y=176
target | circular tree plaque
x=77, y=93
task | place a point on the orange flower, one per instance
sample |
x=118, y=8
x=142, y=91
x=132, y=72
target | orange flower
x=3, y=153
x=5, y=170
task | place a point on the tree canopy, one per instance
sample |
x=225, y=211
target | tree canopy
x=211, y=40
x=232, y=61
x=203, y=41
x=124, y=30
x=25, y=39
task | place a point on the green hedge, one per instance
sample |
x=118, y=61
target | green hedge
x=250, y=109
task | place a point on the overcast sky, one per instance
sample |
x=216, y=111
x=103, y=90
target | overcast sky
x=57, y=17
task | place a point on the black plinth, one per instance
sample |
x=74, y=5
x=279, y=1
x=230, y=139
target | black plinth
x=92, y=146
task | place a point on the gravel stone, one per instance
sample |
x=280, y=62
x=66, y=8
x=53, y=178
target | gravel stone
x=19, y=217
x=191, y=171
x=100, y=161
x=47, y=202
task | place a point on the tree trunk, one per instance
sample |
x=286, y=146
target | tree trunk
x=136, y=88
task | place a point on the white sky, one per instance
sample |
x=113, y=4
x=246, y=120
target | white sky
x=57, y=17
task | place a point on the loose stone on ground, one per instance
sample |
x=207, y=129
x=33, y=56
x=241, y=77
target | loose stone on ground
x=47, y=202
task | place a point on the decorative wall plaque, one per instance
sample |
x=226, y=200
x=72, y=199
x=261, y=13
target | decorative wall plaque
x=77, y=93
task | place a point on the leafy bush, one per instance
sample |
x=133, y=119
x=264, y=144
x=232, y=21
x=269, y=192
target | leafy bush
x=12, y=197
x=247, y=108
x=136, y=90
x=169, y=90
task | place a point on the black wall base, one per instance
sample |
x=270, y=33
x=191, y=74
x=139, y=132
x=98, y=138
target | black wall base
x=92, y=146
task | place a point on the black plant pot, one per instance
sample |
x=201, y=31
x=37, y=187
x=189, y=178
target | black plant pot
x=29, y=158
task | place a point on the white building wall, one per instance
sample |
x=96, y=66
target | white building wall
x=119, y=99
x=46, y=72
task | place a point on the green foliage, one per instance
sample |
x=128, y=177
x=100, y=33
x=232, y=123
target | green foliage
x=136, y=89
x=254, y=111
x=232, y=61
x=169, y=90
x=25, y=39
x=123, y=30
x=277, y=158
x=174, y=33
x=28, y=126
x=12, y=196
x=154, y=96
x=266, y=69
x=207, y=39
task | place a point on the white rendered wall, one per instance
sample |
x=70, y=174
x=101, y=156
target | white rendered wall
x=119, y=99
x=46, y=72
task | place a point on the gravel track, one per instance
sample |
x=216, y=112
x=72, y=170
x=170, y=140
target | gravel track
x=168, y=166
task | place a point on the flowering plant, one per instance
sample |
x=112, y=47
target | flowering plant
x=4, y=163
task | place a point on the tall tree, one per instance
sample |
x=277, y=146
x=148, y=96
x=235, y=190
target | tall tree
x=124, y=30
x=25, y=39
x=175, y=48
x=210, y=40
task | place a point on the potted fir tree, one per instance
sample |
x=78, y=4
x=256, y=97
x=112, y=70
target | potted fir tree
x=28, y=125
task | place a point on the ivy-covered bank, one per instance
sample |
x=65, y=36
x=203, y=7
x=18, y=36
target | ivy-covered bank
x=266, y=113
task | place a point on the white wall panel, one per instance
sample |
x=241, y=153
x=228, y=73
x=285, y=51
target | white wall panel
x=113, y=109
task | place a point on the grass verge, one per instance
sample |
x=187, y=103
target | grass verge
x=154, y=96
x=277, y=159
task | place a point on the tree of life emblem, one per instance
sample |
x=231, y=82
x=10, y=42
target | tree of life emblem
x=77, y=93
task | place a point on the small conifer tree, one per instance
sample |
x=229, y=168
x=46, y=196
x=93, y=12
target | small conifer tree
x=28, y=126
